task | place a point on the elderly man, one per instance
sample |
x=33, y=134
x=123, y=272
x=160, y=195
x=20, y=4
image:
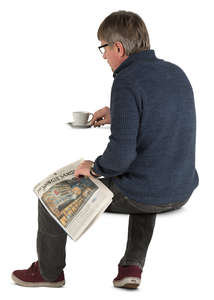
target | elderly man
x=149, y=162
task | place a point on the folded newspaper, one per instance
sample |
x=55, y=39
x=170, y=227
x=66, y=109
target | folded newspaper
x=75, y=203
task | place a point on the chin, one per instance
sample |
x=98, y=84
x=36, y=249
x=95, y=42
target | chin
x=111, y=67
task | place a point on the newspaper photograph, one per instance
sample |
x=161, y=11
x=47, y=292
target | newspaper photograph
x=75, y=203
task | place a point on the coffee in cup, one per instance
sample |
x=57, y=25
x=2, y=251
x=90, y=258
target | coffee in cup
x=80, y=118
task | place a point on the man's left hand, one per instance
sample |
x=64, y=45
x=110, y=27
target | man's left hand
x=84, y=168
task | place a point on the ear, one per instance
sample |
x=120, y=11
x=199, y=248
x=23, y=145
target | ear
x=120, y=49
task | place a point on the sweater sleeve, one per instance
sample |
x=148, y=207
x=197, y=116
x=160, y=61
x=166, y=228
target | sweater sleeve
x=121, y=149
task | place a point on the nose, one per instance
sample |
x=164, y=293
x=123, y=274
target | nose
x=104, y=55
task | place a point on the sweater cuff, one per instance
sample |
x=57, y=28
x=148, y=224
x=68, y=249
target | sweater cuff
x=93, y=173
x=98, y=169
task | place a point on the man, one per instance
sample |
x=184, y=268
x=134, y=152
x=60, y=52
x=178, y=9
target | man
x=149, y=162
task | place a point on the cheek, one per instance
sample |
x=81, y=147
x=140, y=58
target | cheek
x=115, y=62
x=112, y=60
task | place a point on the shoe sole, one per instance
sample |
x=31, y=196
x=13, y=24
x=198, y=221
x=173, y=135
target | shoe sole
x=127, y=283
x=37, y=284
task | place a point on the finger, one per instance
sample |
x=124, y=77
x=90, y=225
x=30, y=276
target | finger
x=95, y=124
x=92, y=120
x=76, y=172
x=101, y=122
x=97, y=115
x=96, y=121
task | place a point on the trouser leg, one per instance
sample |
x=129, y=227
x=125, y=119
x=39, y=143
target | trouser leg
x=140, y=228
x=51, y=242
x=140, y=232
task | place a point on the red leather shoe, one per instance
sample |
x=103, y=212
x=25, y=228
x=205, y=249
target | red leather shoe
x=128, y=277
x=32, y=278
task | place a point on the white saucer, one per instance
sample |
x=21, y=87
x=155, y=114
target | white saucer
x=78, y=126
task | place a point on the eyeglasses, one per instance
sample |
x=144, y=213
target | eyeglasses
x=102, y=48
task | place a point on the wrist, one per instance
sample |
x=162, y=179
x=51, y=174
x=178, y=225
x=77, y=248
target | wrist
x=92, y=171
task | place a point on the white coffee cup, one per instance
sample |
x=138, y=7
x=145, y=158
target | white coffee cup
x=80, y=118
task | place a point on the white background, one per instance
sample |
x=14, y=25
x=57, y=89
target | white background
x=49, y=67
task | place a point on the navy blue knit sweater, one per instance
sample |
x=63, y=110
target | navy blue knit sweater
x=151, y=149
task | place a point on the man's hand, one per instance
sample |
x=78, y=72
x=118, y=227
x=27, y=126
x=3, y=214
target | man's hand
x=84, y=168
x=101, y=117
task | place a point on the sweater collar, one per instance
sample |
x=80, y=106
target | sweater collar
x=143, y=56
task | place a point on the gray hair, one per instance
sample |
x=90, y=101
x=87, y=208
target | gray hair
x=127, y=28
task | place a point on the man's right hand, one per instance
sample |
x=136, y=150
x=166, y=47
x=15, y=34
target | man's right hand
x=101, y=117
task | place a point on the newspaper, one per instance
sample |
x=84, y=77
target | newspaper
x=75, y=203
